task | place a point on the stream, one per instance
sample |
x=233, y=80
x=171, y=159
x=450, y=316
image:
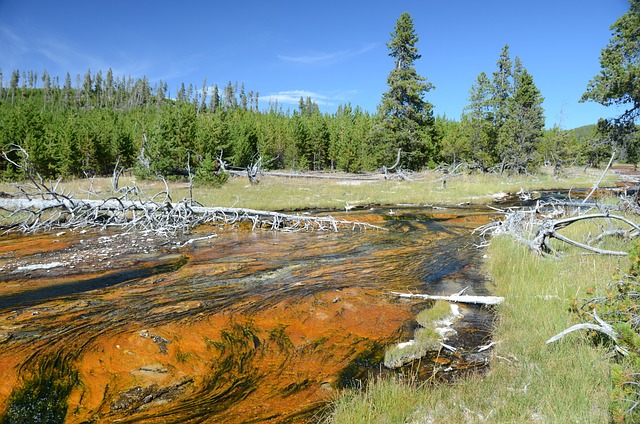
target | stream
x=247, y=326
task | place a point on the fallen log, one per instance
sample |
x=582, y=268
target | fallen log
x=536, y=231
x=165, y=217
x=458, y=298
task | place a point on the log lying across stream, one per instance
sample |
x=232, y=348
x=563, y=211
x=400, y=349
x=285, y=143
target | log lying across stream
x=40, y=214
x=42, y=207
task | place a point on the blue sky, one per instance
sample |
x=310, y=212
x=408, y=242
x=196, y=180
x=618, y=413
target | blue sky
x=333, y=51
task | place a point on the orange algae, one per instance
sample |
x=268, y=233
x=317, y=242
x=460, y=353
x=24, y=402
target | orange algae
x=323, y=334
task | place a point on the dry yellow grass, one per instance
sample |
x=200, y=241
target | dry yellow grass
x=282, y=193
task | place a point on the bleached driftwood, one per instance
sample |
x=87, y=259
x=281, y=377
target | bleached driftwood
x=43, y=207
x=64, y=212
x=458, y=298
x=535, y=230
x=601, y=327
x=595, y=186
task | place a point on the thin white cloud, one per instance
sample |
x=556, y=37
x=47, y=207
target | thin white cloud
x=58, y=56
x=292, y=97
x=12, y=46
x=324, y=58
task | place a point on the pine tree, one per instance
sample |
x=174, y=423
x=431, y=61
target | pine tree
x=618, y=82
x=160, y=95
x=523, y=127
x=203, y=99
x=109, y=87
x=66, y=91
x=479, y=124
x=86, y=88
x=504, y=120
x=502, y=87
x=405, y=119
x=46, y=85
x=215, y=99
x=13, y=84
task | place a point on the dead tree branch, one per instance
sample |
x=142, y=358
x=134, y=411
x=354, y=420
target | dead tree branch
x=536, y=227
x=613, y=155
x=457, y=298
x=601, y=327
x=43, y=208
x=396, y=166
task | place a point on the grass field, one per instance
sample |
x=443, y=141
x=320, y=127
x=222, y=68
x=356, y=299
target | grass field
x=285, y=194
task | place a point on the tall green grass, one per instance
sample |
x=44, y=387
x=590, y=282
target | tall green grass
x=528, y=381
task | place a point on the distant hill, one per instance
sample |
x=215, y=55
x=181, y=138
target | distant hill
x=584, y=132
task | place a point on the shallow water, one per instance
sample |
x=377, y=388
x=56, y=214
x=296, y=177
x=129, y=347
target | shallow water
x=245, y=327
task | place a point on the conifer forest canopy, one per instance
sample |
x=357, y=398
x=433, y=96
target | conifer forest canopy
x=86, y=124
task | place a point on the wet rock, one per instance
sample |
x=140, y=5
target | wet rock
x=160, y=341
x=139, y=396
x=154, y=368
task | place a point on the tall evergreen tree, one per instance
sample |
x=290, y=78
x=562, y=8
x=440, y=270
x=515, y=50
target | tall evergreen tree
x=479, y=123
x=618, y=83
x=523, y=127
x=13, y=84
x=66, y=91
x=46, y=85
x=215, y=99
x=502, y=87
x=109, y=88
x=86, y=88
x=405, y=118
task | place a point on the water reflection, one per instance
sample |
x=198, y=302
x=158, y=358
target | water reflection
x=248, y=326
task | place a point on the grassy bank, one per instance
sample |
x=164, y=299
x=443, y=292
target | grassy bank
x=528, y=381
x=281, y=193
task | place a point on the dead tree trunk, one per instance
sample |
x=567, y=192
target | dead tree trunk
x=253, y=169
x=32, y=215
x=396, y=167
x=536, y=232
x=43, y=208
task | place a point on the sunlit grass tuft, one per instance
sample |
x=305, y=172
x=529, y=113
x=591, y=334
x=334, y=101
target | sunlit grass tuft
x=440, y=310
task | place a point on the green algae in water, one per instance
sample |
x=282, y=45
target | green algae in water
x=42, y=398
x=359, y=369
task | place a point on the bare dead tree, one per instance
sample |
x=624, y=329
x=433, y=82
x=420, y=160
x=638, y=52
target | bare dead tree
x=253, y=169
x=396, y=166
x=117, y=172
x=613, y=155
x=190, y=174
x=536, y=227
x=221, y=163
x=44, y=208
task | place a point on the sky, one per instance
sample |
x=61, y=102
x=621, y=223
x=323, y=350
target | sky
x=332, y=51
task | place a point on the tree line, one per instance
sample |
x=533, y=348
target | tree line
x=87, y=127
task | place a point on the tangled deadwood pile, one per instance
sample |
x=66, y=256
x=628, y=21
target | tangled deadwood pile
x=536, y=227
x=44, y=207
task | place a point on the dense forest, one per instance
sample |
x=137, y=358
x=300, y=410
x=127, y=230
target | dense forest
x=87, y=126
